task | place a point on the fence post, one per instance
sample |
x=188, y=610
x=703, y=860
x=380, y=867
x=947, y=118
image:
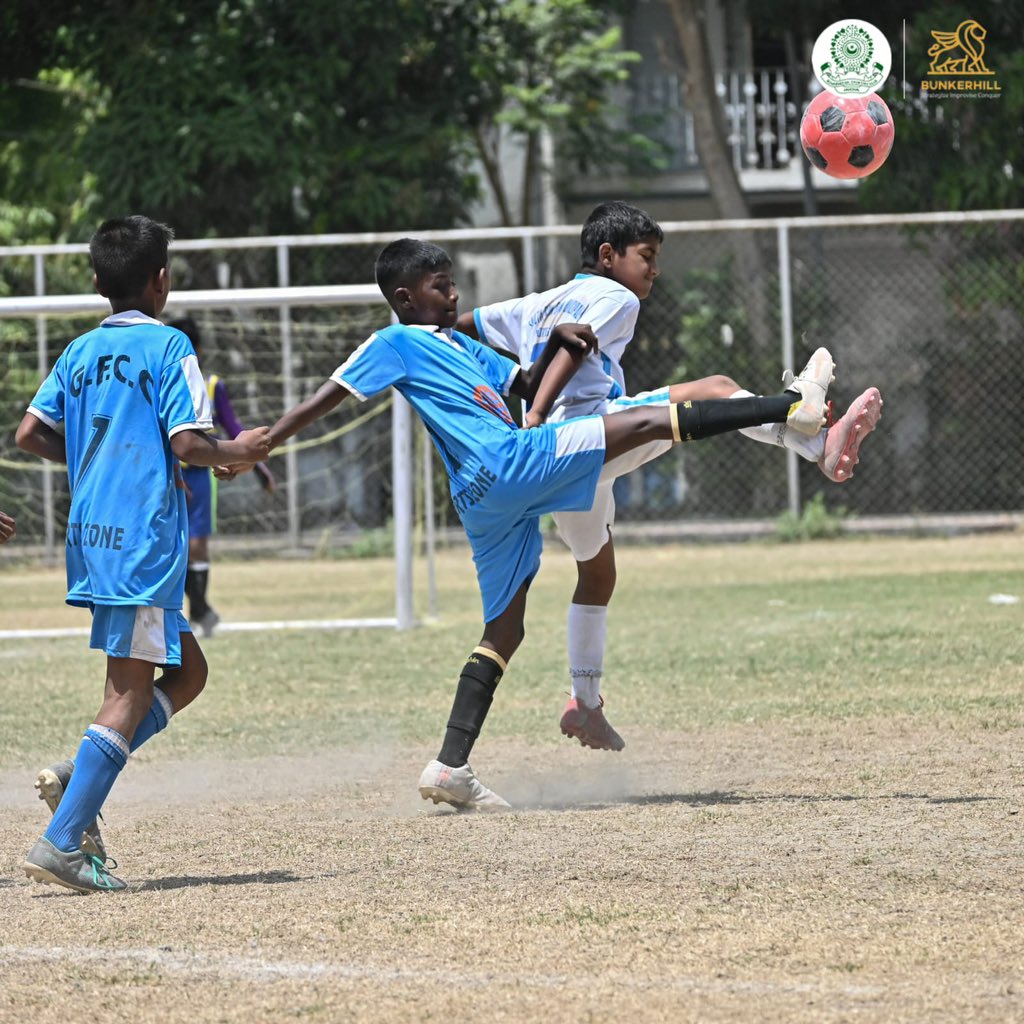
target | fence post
x=44, y=368
x=430, y=532
x=529, y=265
x=402, y=497
x=786, y=310
x=291, y=459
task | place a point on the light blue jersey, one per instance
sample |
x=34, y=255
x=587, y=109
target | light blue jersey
x=118, y=394
x=502, y=479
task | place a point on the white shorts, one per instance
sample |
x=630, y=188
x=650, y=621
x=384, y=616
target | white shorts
x=585, y=533
x=140, y=632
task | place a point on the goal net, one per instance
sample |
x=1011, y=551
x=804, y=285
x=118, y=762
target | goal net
x=346, y=486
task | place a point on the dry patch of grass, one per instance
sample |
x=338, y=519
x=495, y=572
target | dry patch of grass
x=817, y=816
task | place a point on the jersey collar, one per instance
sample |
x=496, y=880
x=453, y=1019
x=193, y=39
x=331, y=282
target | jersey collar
x=446, y=332
x=129, y=318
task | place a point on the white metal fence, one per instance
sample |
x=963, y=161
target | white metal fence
x=928, y=307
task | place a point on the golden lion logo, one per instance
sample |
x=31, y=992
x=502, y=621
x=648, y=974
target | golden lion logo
x=969, y=40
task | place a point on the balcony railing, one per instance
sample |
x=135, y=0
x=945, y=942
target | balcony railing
x=762, y=118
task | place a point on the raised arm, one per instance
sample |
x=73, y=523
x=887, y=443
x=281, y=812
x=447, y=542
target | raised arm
x=543, y=382
x=198, y=448
x=313, y=408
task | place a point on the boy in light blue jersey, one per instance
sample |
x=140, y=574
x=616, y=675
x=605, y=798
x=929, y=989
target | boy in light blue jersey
x=619, y=247
x=501, y=478
x=121, y=406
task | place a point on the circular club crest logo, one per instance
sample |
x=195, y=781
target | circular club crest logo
x=851, y=58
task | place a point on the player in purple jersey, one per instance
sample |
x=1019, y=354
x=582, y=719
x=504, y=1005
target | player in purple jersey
x=201, y=493
x=121, y=406
x=502, y=479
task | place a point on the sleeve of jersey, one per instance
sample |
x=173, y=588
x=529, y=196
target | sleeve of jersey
x=224, y=411
x=499, y=371
x=499, y=325
x=182, y=400
x=48, y=404
x=614, y=322
x=372, y=368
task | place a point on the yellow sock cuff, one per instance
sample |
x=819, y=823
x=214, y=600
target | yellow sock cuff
x=493, y=655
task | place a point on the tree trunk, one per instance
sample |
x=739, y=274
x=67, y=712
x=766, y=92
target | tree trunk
x=491, y=160
x=709, y=129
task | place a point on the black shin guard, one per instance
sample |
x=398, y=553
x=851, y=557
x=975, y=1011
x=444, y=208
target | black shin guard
x=706, y=418
x=477, y=683
x=195, y=590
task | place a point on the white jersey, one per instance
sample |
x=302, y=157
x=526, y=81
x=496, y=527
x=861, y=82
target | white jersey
x=522, y=327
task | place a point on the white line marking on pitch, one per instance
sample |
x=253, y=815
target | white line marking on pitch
x=224, y=627
x=255, y=969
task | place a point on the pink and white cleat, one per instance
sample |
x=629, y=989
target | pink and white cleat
x=846, y=435
x=589, y=726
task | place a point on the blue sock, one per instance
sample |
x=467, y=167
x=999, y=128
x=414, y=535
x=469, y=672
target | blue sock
x=100, y=758
x=155, y=721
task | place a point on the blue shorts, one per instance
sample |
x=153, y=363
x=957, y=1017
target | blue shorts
x=137, y=631
x=550, y=468
x=199, y=500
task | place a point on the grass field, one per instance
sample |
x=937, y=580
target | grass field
x=817, y=817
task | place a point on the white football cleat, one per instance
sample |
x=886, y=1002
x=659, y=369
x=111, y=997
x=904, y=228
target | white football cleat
x=807, y=416
x=459, y=787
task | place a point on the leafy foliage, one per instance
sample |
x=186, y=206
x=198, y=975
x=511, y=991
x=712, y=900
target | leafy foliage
x=815, y=522
x=960, y=152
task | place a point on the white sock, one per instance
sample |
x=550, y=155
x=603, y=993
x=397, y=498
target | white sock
x=588, y=626
x=809, y=448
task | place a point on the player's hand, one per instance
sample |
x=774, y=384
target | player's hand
x=230, y=470
x=267, y=481
x=533, y=419
x=578, y=338
x=255, y=444
x=8, y=528
x=179, y=482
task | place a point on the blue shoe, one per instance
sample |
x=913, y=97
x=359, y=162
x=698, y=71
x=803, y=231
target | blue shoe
x=79, y=871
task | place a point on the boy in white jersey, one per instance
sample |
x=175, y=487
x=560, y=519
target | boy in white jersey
x=123, y=404
x=619, y=248
x=502, y=479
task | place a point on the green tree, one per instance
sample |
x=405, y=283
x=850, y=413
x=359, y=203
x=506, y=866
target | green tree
x=255, y=116
x=958, y=153
x=546, y=65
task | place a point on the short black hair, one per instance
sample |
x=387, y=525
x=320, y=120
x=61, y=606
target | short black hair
x=189, y=328
x=618, y=224
x=402, y=263
x=126, y=252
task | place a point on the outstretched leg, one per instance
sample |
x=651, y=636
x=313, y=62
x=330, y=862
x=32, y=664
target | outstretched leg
x=801, y=406
x=835, y=451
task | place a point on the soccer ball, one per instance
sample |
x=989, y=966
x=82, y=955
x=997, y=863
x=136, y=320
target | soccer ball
x=846, y=136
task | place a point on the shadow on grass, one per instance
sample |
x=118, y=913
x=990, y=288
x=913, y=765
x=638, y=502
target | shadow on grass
x=190, y=881
x=725, y=799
